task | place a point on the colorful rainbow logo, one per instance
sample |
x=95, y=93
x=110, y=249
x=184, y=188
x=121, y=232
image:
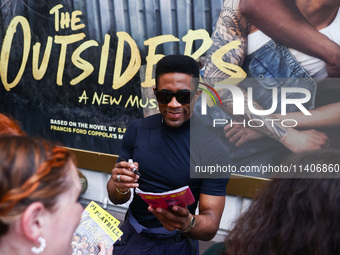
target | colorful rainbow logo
x=208, y=92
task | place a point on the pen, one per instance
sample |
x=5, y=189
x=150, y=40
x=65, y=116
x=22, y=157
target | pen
x=134, y=170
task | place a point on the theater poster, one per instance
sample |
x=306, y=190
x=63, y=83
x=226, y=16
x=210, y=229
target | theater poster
x=77, y=72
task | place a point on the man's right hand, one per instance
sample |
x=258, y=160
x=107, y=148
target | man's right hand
x=122, y=179
x=299, y=141
x=122, y=176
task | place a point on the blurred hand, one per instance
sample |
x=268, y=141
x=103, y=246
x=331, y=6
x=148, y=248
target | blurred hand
x=103, y=250
x=299, y=141
x=178, y=218
x=238, y=134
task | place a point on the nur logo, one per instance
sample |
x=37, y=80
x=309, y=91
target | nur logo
x=208, y=92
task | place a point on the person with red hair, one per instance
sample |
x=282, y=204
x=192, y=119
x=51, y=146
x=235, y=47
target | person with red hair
x=9, y=125
x=39, y=191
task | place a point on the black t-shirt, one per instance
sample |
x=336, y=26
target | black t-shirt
x=164, y=158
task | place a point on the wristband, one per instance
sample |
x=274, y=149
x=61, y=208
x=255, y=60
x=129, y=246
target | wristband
x=123, y=193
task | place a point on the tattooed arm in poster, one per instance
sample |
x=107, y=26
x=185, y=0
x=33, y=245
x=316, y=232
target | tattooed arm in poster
x=327, y=116
x=232, y=26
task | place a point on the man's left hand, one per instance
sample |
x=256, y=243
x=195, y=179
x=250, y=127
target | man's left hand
x=177, y=218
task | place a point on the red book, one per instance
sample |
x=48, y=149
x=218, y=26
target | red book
x=181, y=197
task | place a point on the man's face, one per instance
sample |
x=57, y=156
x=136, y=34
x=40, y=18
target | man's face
x=175, y=113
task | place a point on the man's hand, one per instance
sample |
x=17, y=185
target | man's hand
x=121, y=181
x=207, y=221
x=178, y=218
x=127, y=179
x=239, y=135
x=299, y=141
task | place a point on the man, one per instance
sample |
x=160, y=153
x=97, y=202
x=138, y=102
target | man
x=164, y=147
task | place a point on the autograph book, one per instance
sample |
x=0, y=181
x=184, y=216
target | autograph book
x=181, y=197
x=96, y=226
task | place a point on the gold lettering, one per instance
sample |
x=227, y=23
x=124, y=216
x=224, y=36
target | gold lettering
x=75, y=20
x=55, y=11
x=132, y=101
x=153, y=58
x=39, y=72
x=106, y=99
x=233, y=70
x=83, y=97
x=65, y=20
x=96, y=98
x=64, y=40
x=119, y=80
x=81, y=63
x=191, y=36
x=6, y=48
x=103, y=59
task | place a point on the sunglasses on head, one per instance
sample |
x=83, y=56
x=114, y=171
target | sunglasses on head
x=182, y=97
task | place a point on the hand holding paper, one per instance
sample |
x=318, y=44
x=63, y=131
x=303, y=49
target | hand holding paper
x=181, y=197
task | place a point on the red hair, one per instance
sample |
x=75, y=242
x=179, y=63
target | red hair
x=9, y=125
x=31, y=170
